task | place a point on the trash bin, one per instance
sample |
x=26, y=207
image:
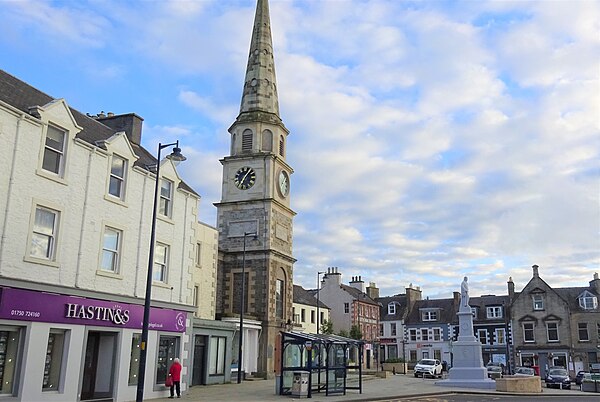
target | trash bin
x=300, y=384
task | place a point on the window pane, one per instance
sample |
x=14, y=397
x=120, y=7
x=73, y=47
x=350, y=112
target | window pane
x=134, y=362
x=42, y=238
x=51, y=161
x=118, y=167
x=44, y=221
x=55, y=138
x=53, y=362
x=114, y=186
x=41, y=246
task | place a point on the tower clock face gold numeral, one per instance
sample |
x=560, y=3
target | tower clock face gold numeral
x=284, y=183
x=244, y=178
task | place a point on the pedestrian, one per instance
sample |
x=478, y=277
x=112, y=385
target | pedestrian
x=175, y=374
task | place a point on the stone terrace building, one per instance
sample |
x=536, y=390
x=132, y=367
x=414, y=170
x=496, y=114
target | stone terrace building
x=491, y=327
x=429, y=329
x=555, y=326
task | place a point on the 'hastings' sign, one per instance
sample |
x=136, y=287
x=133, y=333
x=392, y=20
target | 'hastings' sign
x=28, y=305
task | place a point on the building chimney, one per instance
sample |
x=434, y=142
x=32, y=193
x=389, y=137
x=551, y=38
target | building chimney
x=131, y=123
x=332, y=277
x=595, y=283
x=358, y=283
x=412, y=295
x=511, y=289
x=536, y=272
x=372, y=290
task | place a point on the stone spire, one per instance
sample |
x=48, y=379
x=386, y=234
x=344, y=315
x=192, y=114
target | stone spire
x=260, y=86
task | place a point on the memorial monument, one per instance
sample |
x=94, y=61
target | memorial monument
x=467, y=369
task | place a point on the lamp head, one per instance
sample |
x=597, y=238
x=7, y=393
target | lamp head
x=176, y=156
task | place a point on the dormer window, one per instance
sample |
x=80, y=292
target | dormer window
x=494, y=312
x=392, y=308
x=588, y=301
x=429, y=315
x=538, y=302
x=54, y=150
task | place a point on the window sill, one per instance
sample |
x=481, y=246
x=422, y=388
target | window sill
x=165, y=219
x=553, y=341
x=584, y=341
x=528, y=341
x=108, y=274
x=51, y=176
x=115, y=200
x=161, y=284
x=41, y=261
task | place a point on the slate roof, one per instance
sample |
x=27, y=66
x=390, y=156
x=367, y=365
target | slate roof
x=447, y=308
x=23, y=96
x=307, y=297
x=401, y=308
x=571, y=295
x=358, y=294
x=481, y=302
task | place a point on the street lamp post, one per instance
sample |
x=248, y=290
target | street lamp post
x=318, y=302
x=242, y=305
x=176, y=157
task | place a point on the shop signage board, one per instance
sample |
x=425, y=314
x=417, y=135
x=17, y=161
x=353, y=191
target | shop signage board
x=29, y=305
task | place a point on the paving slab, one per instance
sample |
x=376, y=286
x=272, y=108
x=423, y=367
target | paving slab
x=374, y=389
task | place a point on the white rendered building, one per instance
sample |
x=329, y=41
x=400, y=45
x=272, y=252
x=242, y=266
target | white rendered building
x=76, y=197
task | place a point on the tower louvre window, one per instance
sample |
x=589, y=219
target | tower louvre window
x=247, y=140
x=281, y=145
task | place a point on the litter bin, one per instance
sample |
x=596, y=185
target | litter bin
x=300, y=384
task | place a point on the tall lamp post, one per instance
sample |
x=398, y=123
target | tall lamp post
x=318, y=302
x=176, y=157
x=242, y=305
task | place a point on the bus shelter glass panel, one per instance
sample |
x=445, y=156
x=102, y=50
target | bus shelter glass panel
x=336, y=373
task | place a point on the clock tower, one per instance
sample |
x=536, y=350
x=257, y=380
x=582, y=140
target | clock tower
x=254, y=218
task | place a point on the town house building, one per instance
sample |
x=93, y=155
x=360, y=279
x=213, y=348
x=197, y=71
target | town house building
x=306, y=313
x=76, y=197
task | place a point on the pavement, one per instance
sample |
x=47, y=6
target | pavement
x=396, y=387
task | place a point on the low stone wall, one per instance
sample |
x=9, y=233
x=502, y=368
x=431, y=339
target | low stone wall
x=511, y=383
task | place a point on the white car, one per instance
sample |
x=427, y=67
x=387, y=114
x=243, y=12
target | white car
x=430, y=367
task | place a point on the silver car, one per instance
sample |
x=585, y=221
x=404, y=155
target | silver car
x=430, y=367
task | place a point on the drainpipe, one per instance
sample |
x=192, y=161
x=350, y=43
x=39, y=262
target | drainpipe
x=83, y=216
x=11, y=180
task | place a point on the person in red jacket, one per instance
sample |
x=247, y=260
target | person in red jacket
x=175, y=374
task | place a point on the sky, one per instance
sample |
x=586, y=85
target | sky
x=430, y=139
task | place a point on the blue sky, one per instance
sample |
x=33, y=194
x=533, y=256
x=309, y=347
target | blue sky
x=430, y=139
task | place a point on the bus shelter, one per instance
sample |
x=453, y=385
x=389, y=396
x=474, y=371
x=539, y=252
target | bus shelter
x=326, y=361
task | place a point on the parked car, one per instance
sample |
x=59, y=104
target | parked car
x=579, y=377
x=430, y=367
x=558, y=377
x=494, y=371
x=524, y=371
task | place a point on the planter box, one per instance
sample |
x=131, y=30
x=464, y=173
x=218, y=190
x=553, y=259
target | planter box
x=519, y=384
x=590, y=386
x=401, y=368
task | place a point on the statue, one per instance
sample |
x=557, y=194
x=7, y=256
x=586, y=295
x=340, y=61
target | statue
x=464, y=293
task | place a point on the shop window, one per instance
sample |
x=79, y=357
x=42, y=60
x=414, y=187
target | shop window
x=166, y=198
x=54, y=359
x=168, y=349
x=54, y=151
x=134, y=361
x=216, y=364
x=116, y=184
x=412, y=355
x=392, y=351
x=9, y=352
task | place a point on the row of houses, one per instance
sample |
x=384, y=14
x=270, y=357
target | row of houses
x=539, y=326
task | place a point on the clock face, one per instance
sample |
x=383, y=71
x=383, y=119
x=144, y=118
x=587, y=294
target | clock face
x=244, y=178
x=284, y=183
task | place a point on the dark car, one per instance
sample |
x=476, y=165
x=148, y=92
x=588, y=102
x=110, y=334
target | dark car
x=579, y=377
x=494, y=371
x=559, y=378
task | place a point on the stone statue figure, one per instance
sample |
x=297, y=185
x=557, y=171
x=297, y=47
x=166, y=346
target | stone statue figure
x=464, y=293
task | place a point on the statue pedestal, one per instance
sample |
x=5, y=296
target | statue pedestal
x=467, y=369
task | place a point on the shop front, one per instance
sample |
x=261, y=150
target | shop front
x=57, y=347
